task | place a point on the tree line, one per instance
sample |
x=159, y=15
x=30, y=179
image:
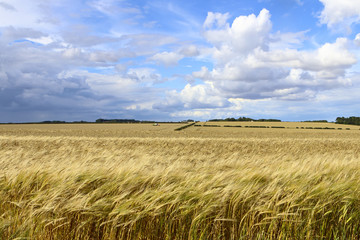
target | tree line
x=348, y=120
x=244, y=119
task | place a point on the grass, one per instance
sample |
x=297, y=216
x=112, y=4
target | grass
x=199, y=184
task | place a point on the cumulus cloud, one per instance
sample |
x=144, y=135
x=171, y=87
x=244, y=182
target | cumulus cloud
x=345, y=13
x=328, y=57
x=233, y=107
x=253, y=64
x=259, y=69
x=199, y=97
x=245, y=34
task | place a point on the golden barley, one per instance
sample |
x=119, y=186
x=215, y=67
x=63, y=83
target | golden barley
x=145, y=182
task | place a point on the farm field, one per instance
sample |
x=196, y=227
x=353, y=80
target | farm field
x=288, y=125
x=92, y=130
x=138, y=181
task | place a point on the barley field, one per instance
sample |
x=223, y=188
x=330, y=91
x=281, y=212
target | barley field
x=287, y=125
x=138, y=181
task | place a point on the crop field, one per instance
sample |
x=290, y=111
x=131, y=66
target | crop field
x=139, y=181
x=92, y=130
x=287, y=125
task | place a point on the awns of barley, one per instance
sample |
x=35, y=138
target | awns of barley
x=88, y=188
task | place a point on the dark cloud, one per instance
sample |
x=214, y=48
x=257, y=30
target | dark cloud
x=45, y=82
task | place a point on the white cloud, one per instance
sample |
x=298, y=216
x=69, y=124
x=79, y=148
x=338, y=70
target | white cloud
x=333, y=55
x=73, y=52
x=245, y=34
x=104, y=56
x=330, y=56
x=357, y=39
x=189, y=51
x=233, y=108
x=110, y=85
x=344, y=12
x=23, y=14
x=199, y=97
x=167, y=58
x=121, y=68
x=203, y=114
x=141, y=106
x=81, y=36
x=9, y=34
x=217, y=19
x=271, y=68
x=270, y=65
x=145, y=44
x=203, y=73
x=112, y=8
x=291, y=40
x=44, y=40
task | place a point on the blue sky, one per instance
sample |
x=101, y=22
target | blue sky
x=173, y=60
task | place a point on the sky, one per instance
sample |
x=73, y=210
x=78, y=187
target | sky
x=173, y=60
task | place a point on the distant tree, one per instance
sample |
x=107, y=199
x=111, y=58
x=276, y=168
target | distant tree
x=350, y=120
x=52, y=122
x=245, y=119
x=100, y=120
x=320, y=121
x=268, y=120
x=230, y=119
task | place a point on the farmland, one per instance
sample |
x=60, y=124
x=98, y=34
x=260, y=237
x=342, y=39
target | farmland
x=139, y=181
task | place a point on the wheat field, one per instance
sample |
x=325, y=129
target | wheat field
x=138, y=181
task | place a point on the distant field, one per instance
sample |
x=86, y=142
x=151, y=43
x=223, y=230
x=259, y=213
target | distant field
x=139, y=181
x=290, y=131
x=92, y=129
x=292, y=125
